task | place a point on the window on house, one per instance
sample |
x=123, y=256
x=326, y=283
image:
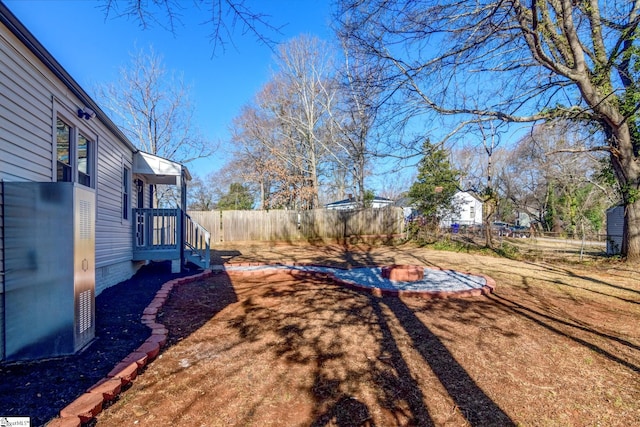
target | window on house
x=84, y=160
x=126, y=191
x=63, y=144
x=472, y=212
x=74, y=155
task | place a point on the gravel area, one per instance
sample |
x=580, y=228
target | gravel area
x=435, y=280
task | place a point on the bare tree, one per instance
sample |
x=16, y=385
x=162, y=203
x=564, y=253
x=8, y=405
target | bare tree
x=286, y=132
x=354, y=115
x=153, y=109
x=481, y=166
x=517, y=63
x=305, y=69
x=265, y=159
x=550, y=176
x=223, y=17
x=201, y=197
x=395, y=187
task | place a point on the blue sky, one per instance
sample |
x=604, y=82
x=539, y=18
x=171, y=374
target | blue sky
x=92, y=48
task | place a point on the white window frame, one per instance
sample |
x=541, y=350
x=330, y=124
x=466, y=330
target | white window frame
x=77, y=126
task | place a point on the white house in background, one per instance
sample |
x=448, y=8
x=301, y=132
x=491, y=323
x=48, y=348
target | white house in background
x=75, y=204
x=351, y=203
x=468, y=211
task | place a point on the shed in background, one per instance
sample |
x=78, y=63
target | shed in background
x=615, y=229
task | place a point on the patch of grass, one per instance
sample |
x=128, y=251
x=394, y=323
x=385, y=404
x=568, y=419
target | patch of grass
x=515, y=249
x=508, y=250
x=504, y=250
x=450, y=245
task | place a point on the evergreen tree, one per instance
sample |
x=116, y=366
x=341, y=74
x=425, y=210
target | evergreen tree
x=437, y=182
x=238, y=198
x=368, y=198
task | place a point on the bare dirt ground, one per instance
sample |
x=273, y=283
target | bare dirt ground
x=557, y=344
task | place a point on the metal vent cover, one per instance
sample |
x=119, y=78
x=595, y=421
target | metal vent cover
x=85, y=318
x=85, y=219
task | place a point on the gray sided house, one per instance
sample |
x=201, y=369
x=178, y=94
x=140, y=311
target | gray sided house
x=76, y=210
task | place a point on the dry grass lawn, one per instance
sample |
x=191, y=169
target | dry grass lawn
x=557, y=344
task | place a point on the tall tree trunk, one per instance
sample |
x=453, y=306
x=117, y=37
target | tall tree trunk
x=631, y=233
x=488, y=213
x=626, y=166
x=490, y=201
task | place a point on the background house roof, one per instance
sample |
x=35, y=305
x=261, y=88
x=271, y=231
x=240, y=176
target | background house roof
x=352, y=202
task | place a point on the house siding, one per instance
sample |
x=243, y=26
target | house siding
x=25, y=133
x=115, y=273
x=2, y=269
x=113, y=234
x=26, y=113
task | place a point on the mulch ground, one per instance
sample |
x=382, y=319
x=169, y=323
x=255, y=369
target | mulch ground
x=41, y=389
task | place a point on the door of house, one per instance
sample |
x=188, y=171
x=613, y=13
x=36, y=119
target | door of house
x=140, y=240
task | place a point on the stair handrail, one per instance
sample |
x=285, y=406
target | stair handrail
x=198, y=239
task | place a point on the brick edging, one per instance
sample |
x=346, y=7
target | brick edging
x=88, y=405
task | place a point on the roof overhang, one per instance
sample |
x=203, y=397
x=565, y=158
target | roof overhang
x=158, y=170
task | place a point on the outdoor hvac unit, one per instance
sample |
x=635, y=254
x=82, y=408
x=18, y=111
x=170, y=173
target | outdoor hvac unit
x=49, y=294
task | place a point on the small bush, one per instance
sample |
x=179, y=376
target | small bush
x=508, y=251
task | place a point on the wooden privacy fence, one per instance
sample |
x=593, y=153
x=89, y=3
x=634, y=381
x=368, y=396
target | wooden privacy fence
x=285, y=225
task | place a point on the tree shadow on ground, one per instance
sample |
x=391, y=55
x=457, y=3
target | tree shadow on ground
x=555, y=325
x=475, y=405
x=346, y=412
x=538, y=304
x=219, y=257
x=204, y=299
x=314, y=336
x=402, y=377
x=572, y=274
x=330, y=326
x=473, y=402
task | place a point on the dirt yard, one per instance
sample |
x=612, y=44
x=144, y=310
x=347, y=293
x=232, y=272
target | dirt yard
x=557, y=344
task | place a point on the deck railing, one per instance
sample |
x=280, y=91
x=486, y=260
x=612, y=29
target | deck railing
x=156, y=234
